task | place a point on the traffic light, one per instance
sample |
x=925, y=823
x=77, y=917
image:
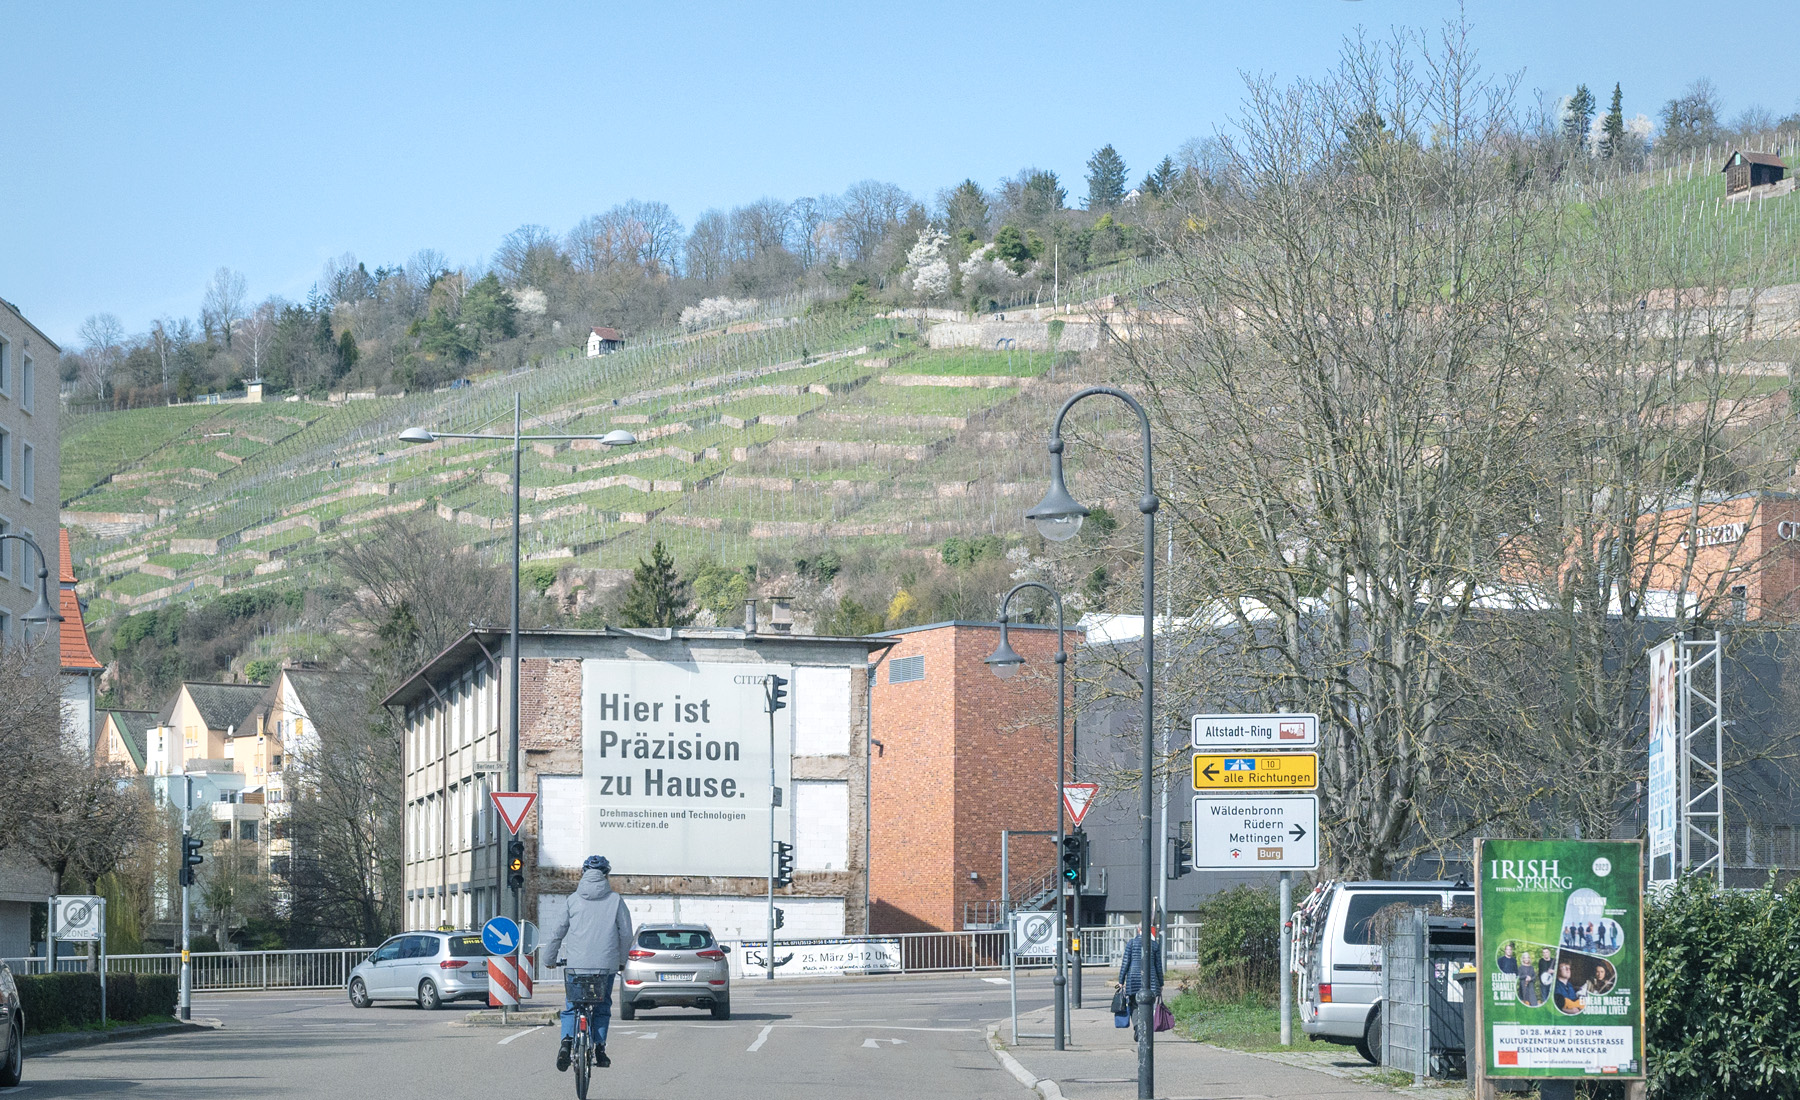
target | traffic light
x=190, y=857
x=777, y=693
x=1181, y=851
x=515, y=864
x=1074, y=857
x=784, y=864
x=780, y=918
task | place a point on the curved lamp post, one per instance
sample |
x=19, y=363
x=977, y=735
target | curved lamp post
x=1006, y=662
x=615, y=438
x=1058, y=517
x=43, y=612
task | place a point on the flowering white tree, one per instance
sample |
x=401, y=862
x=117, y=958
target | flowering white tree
x=927, y=270
x=986, y=276
x=717, y=311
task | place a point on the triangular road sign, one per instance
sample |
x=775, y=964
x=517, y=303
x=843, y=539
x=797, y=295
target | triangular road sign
x=513, y=806
x=1077, y=797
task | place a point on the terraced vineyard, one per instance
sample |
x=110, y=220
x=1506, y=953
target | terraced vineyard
x=773, y=435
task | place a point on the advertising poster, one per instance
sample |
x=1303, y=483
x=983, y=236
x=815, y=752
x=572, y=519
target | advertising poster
x=675, y=766
x=1561, y=957
x=1665, y=751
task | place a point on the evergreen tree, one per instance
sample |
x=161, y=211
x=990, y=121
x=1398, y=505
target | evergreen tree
x=1577, y=115
x=1161, y=179
x=967, y=211
x=657, y=596
x=1612, y=130
x=1106, y=179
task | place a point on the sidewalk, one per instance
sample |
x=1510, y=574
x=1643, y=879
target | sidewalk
x=1101, y=1064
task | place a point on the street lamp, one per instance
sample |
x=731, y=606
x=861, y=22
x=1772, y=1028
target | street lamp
x=43, y=612
x=1006, y=662
x=1058, y=517
x=615, y=438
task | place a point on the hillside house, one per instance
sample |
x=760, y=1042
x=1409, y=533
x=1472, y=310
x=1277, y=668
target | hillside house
x=123, y=734
x=603, y=340
x=1744, y=170
x=199, y=725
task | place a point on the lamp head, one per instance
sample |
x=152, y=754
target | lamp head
x=1005, y=660
x=417, y=435
x=43, y=611
x=1058, y=516
x=618, y=437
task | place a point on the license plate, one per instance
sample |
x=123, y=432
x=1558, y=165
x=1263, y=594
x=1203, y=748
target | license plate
x=673, y=976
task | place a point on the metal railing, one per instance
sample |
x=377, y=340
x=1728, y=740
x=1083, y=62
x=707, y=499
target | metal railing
x=222, y=971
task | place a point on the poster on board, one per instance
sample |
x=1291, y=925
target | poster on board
x=1665, y=757
x=1561, y=967
x=675, y=766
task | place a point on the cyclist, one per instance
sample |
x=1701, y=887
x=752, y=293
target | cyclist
x=589, y=933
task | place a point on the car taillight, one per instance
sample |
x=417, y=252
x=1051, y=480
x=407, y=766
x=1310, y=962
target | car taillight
x=716, y=981
x=1325, y=993
x=634, y=981
x=711, y=953
x=639, y=953
x=452, y=964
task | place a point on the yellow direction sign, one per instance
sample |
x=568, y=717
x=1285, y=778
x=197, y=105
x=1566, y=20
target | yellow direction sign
x=1279, y=771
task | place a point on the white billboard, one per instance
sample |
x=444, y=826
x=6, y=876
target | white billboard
x=675, y=766
x=1665, y=751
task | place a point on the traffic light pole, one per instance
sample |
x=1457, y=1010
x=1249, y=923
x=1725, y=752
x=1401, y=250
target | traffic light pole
x=775, y=696
x=187, y=975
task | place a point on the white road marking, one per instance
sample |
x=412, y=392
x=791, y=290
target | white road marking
x=522, y=1034
x=761, y=1038
x=997, y=981
x=645, y=1035
x=876, y=1043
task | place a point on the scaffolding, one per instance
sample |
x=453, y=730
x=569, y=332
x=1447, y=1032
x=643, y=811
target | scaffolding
x=1700, y=766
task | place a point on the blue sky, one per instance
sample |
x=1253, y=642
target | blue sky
x=149, y=144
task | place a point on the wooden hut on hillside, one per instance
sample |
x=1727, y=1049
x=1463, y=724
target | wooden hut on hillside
x=1744, y=170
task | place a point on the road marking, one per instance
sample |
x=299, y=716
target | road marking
x=997, y=981
x=876, y=1043
x=761, y=1038
x=522, y=1034
x=645, y=1035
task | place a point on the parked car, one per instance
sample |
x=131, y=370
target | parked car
x=428, y=967
x=676, y=965
x=1339, y=961
x=12, y=1019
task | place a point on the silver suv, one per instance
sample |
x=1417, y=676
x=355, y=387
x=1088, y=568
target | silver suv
x=676, y=964
x=428, y=967
x=12, y=1031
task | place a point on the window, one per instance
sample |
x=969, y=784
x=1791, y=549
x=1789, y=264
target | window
x=6, y=474
x=247, y=830
x=1359, y=919
x=6, y=551
x=674, y=939
x=905, y=670
x=1740, y=602
x=6, y=627
x=27, y=574
x=27, y=471
x=27, y=385
x=5, y=367
x=466, y=947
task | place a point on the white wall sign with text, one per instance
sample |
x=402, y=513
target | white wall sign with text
x=1247, y=731
x=1276, y=832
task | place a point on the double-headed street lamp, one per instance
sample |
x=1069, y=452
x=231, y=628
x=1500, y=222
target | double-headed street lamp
x=616, y=438
x=1006, y=662
x=1058, y=517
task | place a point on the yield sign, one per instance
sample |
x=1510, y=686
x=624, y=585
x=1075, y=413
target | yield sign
x=513, y=806
x=1077, y=797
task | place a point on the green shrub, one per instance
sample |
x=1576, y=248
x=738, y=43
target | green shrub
x=56, y=1002
x=1722, y=991
x=1240, y=944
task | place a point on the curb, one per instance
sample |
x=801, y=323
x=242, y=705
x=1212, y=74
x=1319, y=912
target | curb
x=69, y=1040
x=1043, y=1086
x=492, y=1018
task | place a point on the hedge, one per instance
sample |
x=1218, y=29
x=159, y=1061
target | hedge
x=56, y=1002
x=1722, y=978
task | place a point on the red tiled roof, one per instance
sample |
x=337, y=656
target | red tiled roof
x=76, y=653
x=609, y=334
x=68, y=559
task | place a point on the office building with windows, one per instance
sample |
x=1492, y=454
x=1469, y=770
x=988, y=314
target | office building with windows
x=29, y=462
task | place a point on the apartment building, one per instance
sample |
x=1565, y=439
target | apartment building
x=29, y=463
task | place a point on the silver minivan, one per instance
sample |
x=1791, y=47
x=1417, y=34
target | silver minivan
x=428, y=967
x=676, y=965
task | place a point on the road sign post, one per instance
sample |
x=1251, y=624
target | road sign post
x=1288, y=771
x=1271, y=832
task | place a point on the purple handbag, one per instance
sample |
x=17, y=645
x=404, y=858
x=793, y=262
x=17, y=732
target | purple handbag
x=1165, y=1020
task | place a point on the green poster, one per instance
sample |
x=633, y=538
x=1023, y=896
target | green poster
x=1561, y=958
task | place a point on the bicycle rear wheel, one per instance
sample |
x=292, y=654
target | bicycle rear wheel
x=583, y=1067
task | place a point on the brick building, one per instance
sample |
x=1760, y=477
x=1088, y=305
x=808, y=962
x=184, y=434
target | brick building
x=960, y=756
x=609, y=778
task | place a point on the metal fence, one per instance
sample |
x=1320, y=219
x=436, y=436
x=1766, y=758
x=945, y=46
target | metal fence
x=221, y=971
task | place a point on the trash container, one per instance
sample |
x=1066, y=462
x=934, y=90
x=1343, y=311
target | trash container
x=1471, y=1033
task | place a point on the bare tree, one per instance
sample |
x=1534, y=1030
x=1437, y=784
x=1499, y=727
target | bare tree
x=102, y=340
x=257, y=330
x=418, y=590
x=867, y=212
x=223, y=306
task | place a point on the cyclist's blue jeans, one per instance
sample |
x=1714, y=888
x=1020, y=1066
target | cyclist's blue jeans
x=601, y=1018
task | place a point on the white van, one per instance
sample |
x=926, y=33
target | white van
x=1338, y=962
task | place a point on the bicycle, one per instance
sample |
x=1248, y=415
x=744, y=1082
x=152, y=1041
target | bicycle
x=585, y=992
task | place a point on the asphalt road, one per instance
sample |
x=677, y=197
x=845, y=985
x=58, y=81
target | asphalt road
x=901, y=1037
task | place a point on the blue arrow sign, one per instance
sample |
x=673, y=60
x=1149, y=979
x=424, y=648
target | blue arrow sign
x=1241, y=764
x=500, y=936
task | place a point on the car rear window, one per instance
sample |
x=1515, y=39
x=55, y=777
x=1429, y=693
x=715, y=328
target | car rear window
x=674, y=939
x=463, y=947
x=1359, y=919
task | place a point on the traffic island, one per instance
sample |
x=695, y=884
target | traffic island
x=51, y=1042
x=518, y=1017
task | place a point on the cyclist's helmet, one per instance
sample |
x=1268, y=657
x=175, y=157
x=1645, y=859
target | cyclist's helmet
x=597, y=863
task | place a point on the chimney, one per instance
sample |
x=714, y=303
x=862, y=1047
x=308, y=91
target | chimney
x=749, y=616
x=781, y=616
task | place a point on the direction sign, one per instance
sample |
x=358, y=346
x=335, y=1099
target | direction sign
x=1271, y=832
x=76, y=917
x=1255, y=731
x=513, y=806
x=1034, y=935
x=1283, y=771
x=1077, y=797
x=500, y=936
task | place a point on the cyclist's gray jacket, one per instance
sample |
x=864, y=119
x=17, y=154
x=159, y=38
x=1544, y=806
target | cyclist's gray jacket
x=591, y=928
